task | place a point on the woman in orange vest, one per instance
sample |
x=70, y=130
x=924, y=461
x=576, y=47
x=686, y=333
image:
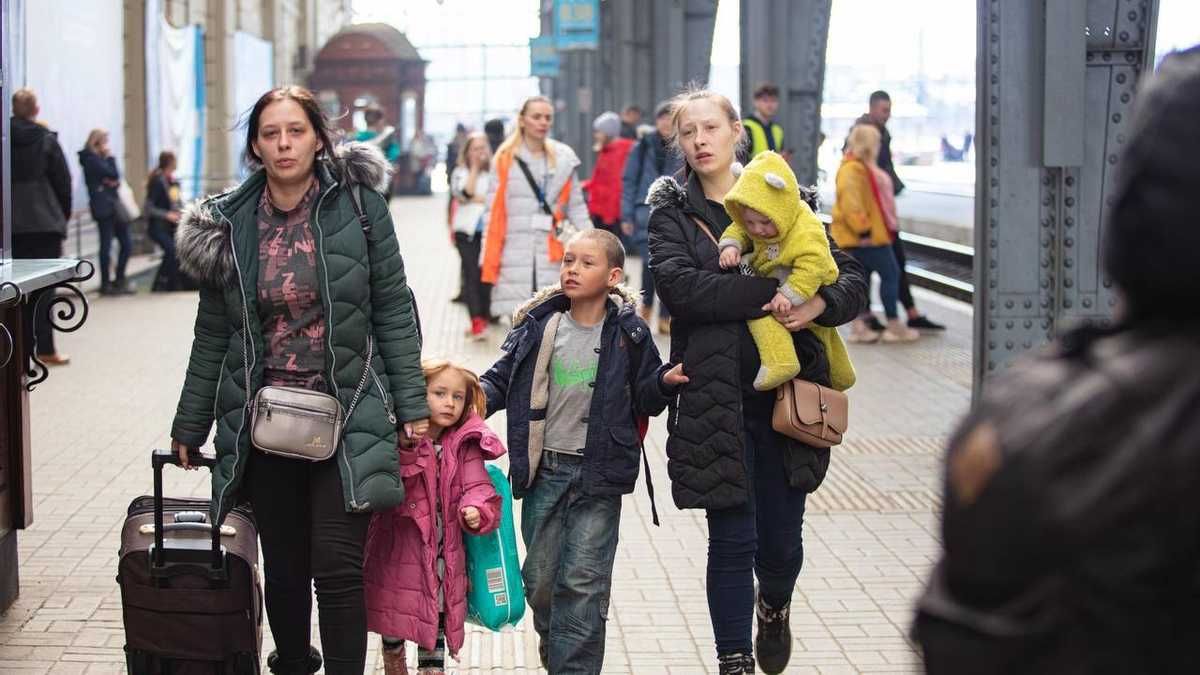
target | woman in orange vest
x=534, y=204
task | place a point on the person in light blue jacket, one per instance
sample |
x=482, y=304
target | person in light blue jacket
x=653, y=156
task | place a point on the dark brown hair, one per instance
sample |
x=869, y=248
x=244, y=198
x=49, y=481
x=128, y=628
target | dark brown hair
x=766, y=89
x=307, y=102
x=166, y=158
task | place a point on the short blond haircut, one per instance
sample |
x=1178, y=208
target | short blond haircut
x=863, y=142
x=24, y=103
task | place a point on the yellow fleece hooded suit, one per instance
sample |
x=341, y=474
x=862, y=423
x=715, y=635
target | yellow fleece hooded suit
x=798, y=256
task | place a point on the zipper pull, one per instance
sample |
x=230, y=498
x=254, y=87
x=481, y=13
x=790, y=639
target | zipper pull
x=268, y=409
x=391, y=416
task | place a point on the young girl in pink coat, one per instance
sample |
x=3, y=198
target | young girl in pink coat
x=415, y=564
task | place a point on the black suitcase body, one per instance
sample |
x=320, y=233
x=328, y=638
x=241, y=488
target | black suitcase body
x=191, y=601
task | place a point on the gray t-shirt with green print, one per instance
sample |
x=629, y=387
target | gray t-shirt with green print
x=572, y=373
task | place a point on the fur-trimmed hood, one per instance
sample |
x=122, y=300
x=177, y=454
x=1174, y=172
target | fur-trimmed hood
x=621, y=297
x=202, y=238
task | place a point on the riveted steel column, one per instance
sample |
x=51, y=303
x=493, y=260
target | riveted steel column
x=1054, y=86
x=783, y=41
x=681, y=44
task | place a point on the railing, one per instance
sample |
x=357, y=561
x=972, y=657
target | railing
x=940, y=266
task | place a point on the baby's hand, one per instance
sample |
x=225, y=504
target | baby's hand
x=471, y=517
x=730, y=257
x=780, y=303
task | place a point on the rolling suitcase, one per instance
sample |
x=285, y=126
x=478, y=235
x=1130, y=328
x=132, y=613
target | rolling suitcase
x=191, y=599
x=495, y=591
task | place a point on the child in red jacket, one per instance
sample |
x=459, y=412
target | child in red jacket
x=415, y=567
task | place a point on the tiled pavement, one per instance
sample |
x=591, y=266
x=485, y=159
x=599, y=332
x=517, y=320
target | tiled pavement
x=870, y=533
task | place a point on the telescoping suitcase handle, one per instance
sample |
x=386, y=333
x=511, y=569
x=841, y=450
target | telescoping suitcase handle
x=191, y=558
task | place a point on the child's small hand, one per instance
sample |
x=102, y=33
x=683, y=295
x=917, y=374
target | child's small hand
x=730, y=257
x=675, y=377
x=779, y=304
x=471, y=517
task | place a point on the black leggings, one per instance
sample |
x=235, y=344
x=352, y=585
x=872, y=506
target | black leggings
x=906, y=298
x=308, y=536
x=472, y=288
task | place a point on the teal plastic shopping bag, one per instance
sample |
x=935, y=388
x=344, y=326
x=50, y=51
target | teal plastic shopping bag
x=496, y=594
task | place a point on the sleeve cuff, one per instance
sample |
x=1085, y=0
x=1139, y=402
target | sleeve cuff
x=792, y=296
x=729, y=243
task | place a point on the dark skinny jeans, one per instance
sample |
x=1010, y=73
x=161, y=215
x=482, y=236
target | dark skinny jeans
x=308, y=536
x=110, y=227
x=761, y=538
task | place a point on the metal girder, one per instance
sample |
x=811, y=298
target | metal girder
x=1055, y=81
x=784, y=41
x=648, y=52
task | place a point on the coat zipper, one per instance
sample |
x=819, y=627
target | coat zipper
x=387, y=400
x=249, y=359
x=320, y=237
x=217, y=392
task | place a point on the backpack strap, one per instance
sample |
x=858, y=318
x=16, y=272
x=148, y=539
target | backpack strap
x=640, y=424
x=365, y=222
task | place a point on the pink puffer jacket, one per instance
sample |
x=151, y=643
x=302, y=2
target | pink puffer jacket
x=401, y=555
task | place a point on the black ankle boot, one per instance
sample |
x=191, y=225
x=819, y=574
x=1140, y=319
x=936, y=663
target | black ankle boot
x=773, y=645
x=315, y=661
x=736, y=664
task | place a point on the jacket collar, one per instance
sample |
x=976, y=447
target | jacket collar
x=622, y=304
x=202, y=239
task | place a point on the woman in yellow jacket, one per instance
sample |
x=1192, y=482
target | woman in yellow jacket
x=859, y=228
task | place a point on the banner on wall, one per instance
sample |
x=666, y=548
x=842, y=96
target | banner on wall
x=175, y=97
x=253, y=61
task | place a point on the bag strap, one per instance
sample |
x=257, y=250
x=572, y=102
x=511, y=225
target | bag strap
x=704, y=228
x=537, y=191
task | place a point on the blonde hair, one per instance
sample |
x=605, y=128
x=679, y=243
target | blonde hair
x=518, y=135
x=863, y=142
x=476, y=399
x=93, y=140
x=694, y=92
x=466, y=147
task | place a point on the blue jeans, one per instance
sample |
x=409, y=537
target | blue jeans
x=762, y=538
x=882, y=261
x=571, y=542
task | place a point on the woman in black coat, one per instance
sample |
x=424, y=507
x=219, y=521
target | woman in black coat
x=163, y=207
x=103, y=179
x=723, y=454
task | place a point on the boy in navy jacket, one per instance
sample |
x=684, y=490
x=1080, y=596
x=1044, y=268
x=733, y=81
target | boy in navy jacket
x=579, y=369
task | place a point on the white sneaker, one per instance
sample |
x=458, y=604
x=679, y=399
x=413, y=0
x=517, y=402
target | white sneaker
x=898, y=331
x=861, y=333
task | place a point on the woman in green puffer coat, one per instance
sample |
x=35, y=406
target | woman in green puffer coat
x=296, y=291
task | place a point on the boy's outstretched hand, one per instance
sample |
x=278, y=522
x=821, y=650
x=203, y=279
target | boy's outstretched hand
x=730, y=257
x=675, y=377
x=470, y=516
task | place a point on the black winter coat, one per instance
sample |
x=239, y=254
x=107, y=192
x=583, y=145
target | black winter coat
x=102, y=198
x=628, y=385
x=709, y=309
x=1070, y=525
x=41, y=181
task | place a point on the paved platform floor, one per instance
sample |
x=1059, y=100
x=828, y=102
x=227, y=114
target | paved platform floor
x=869, y=540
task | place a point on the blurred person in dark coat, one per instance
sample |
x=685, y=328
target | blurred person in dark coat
x=1071, y=529
x=41, y=206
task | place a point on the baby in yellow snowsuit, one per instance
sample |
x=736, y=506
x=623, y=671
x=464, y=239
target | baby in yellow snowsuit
x=790, y=245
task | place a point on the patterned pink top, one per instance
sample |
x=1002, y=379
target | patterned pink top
x=887, y=199
x=289, y=300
